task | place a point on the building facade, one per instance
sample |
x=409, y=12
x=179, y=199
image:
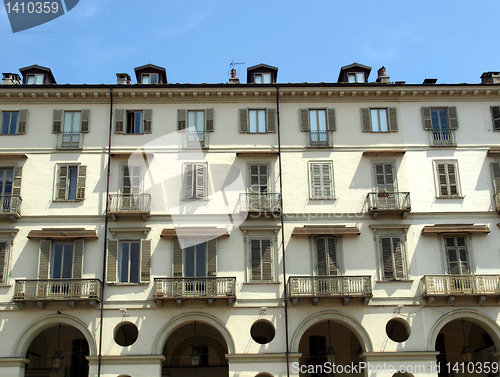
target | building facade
x=257, y=229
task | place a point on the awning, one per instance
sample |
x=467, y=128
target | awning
x=59, y=234
x=128, y=154
x=326, y=231
x=194, y=232
x=493, y=151
x=257, y=153
x=455, y=228
x=383, y=152
x=12, y=156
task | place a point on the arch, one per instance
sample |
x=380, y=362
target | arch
x=42, y=324
x=181, y=320
x=264, y=374
x=188, y=343
x=341, y=318
x=479, y=319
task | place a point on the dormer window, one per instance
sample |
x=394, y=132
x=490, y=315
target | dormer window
x=150, y=78
x=35, y=79
x=262, y=78
x=356, y=77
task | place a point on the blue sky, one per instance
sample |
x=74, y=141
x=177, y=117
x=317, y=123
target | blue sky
x=308, y=40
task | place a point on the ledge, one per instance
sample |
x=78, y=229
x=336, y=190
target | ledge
x=383, y=152
x=340, y=230
x=257, y=153
x=127, y=359
x=261, y=357
x=455, y=228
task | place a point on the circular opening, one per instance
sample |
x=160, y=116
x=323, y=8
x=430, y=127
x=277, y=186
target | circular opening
x=397, y=330
x=126, y=334
x=262, y=331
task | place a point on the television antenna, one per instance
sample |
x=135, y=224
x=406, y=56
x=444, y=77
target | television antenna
x=231, y=67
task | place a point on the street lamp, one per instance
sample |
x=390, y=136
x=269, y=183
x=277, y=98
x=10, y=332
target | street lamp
x=57, y=358
x=466, y=351
x=195, y=354
x=330, y=352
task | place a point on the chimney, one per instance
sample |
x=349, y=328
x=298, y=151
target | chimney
x=234, y=79
x=123, y=79
x=11, y=79
x=490, y=78
x=382, y=76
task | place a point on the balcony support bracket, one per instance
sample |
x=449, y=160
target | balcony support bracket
x=481, y=298
x=430, y=299
x=41, y=304
x=72, y=304
x=295, y=301
x=179, y=302
x=374, y=214
x=20, y=305
x=210, y=302
x=450, y=299
x=315, y=300
x=159, y=302
x=345, y=300
x=230, y=301
x=93, y=304
x=12, y=218
x=366, y=300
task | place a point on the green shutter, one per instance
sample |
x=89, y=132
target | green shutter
x=177, y=258
x=82, y=176
x=78, y=258
x=212, y=258
x=119, y=121
x=255, y=260
x=495, y=171
x=365, y=120
x=3, y=261
x=209, y=120
x=333, y=268
x=495, y=116
x=112, y=267
x=271, y=120
x=145, y=261
x=243, y=120
x=452, y=117
x=43, y=262
x=148, y=121
x=331, y=120
x=426, y=118
x=267, y=260
x=397, y=247
x=23, y=121
x=393, y=119
x=321, y=256
x=181, y=119
x=16, y=184
x=85, y=120
x=57, y=121
x=304, y=119
x=61, y=183
x=386, y=258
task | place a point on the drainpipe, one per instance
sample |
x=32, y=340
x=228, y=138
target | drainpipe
x=285, y=287
x=105, y=252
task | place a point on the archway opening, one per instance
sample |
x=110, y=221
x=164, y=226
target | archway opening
x=208, y=344
x=74, y=351
x=461, y=344
x=327, y=343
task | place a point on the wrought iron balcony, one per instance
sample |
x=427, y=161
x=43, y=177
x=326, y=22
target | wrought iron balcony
x=444, y=137
x=70, y=140
x=389, y=202
x=46, y=290
x=261, y=203
x=497, y=200
x=10, y=206
x=450, y=286
x=196, y=139
x=129, y=205
x=344, y=287
x=209, y=288
x=319, y=139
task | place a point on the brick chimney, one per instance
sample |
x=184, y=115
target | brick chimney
x=11, y=79
x=382, y=76
x=233, y=79
x=490, y=78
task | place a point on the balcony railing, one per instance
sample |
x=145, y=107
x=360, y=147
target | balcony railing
x=497, y=200
x=11, y=205
x=461, y=285
x=261, y=202
x=57, y=290
x=120, y=204
x=387, y=202
x=444, y=137
x=196, y=139
x=319, y=139
x=190, y=288
x=330, y=286
x=70, y=140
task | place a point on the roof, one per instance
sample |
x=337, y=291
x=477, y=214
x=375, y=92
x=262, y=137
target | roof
x=262, y=65
x=39, y=67
x=161, y=70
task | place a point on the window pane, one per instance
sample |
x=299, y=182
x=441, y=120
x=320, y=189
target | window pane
x=73, y=176
x=68, y=121
x=76, y=121
x=252, y=117
x=138, y=122
x=384, y=127
x=67, y=261
x=13, y=122
x=267, y=78
x=7, y=184
x=5, y=123
x=200, y=260
x=124, y=259
x=57, y=260
x=135, y=256
x=145, y=79
x=375, y=122
x=313, y=120
x=262, y=120
x=258, y=79
x=39, y=79
x=321, y=120
x=351, y=77
x=360, y=77
x=154, y=78
x=200, y=121
x=189, y=262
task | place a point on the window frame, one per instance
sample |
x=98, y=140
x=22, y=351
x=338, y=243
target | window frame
x=4, y=280
x=272, y=240
x=468, y=245
x=262, y=75
x=80, y=179
x=16, y=126
x=35, y=76
x=355, y=75
x=338, y=250
x=257, y=126
x=459, y=194
x=194, y=182
x=150, y=76
x=270, y=178
x=119, y=262
x=374, y=163
x=63, y=258
x=331, y=180
x=187, y=244
x=127, y=125
x=387, y=122
x=495, y=118
x=404, y=256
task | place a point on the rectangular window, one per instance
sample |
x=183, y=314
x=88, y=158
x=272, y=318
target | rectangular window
x=195, y=178
x=129, y=262
x=379, y=121
x=318, y=123
x=71, y=130
x=495, y=117
x=62, y=260
x=457, y=255
x=257, y=120
x=10, y=121
x=134, y=122
x=321, y=180
x=495, y=172
x=448, y=185
x=262, y=78
x=355, y=77
x=150, y=78
x=35, y=79
x=392, y=258
x=195, y=260
x=4, y=258
x=71, y=181
x=327, y=263
x=383, y=173
x=261, y=259
x=442, y=123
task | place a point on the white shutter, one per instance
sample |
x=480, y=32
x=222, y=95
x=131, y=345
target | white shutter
x=189, y=180
x=200, y=181
x=495, y=171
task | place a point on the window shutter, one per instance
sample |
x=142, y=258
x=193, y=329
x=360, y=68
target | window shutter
x=393, y=119
x=111, y=274
x=267, y=271
x=57, y=121
x=255, y=260
x=145, y=261
x=426, y=118
x=80, y=192
x=326, y=181
x=304, y=119
x=148, y=121
x=189, y=181
x=495, y=115
x=397, y=247
x=387, y=261
x=78, y=258
x=119, y=121
x=331, y=120
x=463, y=254
x=384, y=177
x=181, y=119
x=3, y=261
x=271, y=120
x=209, y=120
x=127, y=184
x=495, y=171
x=61, y=184
x=365, y=120
x=452, y=117
x=200, y=181
x=332, y=256
x=177, y=258
x=23, y=121
x=452, y=180
x=16, y=184
x=321, y=256
x=85, y=119
x=212, y=257
x=43, y=262
x=243, y=120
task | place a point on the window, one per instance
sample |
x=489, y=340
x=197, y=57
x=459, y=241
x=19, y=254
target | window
x=448, y=185
x=13, y=122
x=318, y=123
x=379, y=119
x=327, y=263
x=261, y=268
x=129, y=261
x=195, y=259
x=495, y=172
x=457, y=255
x=61, y=260
x=321, y=180
x=70, y=122
x=133, y=122
x=259, y=178
x=262, y=78
x=442, y=122
x=195, y=264
x=4, y=258
x=10, y=189
x=257, y=120
x=132, y=189
x=71, y=182
x=383, y=174
x=392, y=258
x=195, y=177
x=35, y=79
x=355, y=77
x=198, y=122
x=150, y=78
x=495, y=117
